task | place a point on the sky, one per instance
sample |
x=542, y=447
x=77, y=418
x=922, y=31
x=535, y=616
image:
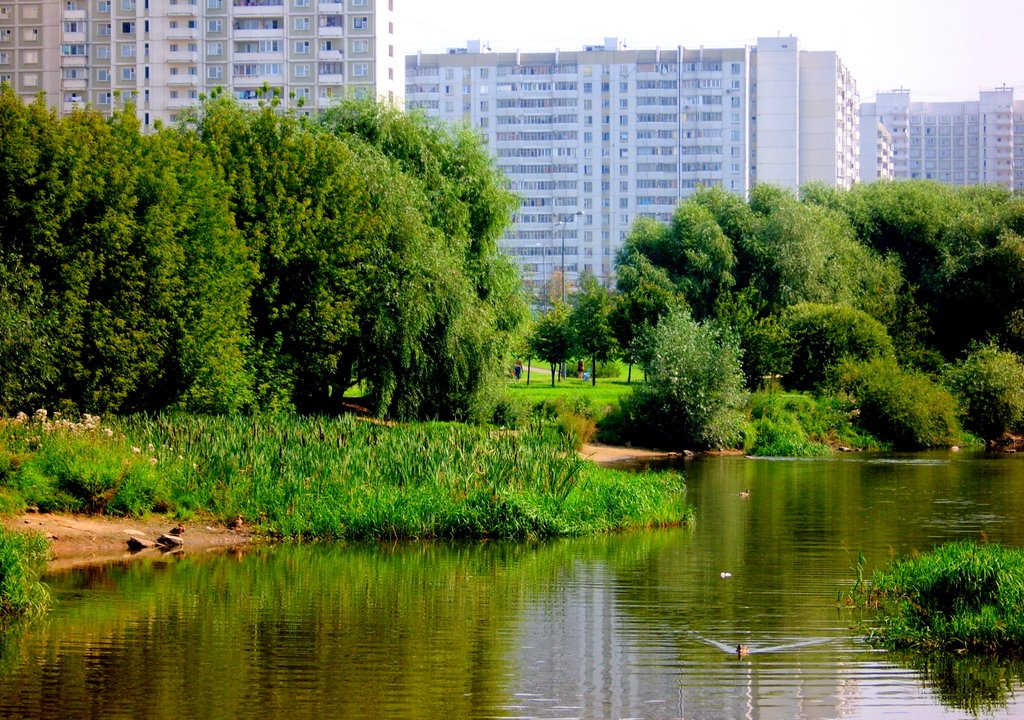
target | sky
x=938, y=49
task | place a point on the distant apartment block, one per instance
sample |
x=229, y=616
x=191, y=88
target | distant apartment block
x=974, y=142
x=593, y=139
x=164, y=53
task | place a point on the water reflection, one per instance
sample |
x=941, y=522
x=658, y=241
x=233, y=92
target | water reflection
x=641, y=624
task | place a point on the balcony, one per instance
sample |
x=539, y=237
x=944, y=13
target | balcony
x=67, y=61
x=183, y=80
x=183, y=57
x=180, y=33
x=73, y=14
x=81, y=84
x=183, y=10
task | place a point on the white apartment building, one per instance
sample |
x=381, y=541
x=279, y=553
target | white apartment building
x=973, y=142
x=164, y=53
x=593, y=139
x=876, y=152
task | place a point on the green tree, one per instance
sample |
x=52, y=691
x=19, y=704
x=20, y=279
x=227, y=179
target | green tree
x=990, y=385
x=693, y=396
x=822, y=335
x=551, y=340
x=645, y=293
x=590, y=323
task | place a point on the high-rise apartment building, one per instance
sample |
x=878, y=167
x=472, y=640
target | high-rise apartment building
x=166, y=52
x=593, y=139
x=974, y=142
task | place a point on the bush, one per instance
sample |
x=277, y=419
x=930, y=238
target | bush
x=821, y=336
x=795, y=425
x=693, y=396
x=905, y=408
x=990, y=385
x=22, y=559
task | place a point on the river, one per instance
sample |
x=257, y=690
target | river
x=635, y=625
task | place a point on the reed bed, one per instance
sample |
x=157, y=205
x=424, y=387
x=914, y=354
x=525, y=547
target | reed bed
x=300, y=477
x=961, y=597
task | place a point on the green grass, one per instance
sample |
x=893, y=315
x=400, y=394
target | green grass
x=605, y=392
x=961, y=597
x=22, y=559
x=336, y=478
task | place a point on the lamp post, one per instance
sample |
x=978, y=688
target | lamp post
x=561, y=223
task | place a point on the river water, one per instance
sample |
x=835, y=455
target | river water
x=636, y=625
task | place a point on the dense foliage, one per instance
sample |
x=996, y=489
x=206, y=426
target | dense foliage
x=693, y=394
x=22, y=560
x=250, y=259
x=900, y=281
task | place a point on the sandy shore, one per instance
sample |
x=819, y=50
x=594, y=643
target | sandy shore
x=94, y=539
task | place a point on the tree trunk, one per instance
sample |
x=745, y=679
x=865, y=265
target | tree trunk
x=593, y=370
x=552, y=376
x=629, y=373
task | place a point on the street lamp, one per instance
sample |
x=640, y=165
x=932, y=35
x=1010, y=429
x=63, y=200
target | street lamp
x=561, y=223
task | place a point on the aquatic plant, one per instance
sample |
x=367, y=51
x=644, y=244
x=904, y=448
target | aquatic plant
x=962, y=596
x=22, y=558
x=312, y=477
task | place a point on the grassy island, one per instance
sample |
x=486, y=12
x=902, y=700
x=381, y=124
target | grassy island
x=961, y=597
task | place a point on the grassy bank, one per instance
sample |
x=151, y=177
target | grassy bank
x=962, y=596
x=22, y=560
x=329, y=478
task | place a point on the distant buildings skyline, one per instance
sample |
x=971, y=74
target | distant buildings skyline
x=617, y=134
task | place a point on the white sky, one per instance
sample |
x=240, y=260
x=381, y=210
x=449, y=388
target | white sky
x=938, y=49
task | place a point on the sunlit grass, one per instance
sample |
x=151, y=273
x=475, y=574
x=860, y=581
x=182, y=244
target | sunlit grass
x=338, y=478
x=962, y=596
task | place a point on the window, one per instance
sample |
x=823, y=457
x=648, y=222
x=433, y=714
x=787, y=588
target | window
x=360, y=70
x=214, y=26
x=30, y=34
x=103, y=52
x=301, y=3
x=301, y=24
x=360, y=47
x=214, y=4
x=31, y=57
x=127, y=73
x=127, y=50
x=360, y=23
x=104, y=98
x=214, y=72
x=127, y=28
x=103, y=6
x=128, y=5
x=358, y=3
x=302, y=47
x=103, y=30
x=302, y=71
x=215, y=49
x=75, y=50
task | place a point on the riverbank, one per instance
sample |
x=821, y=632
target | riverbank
x=77, y=540
x=89, y=539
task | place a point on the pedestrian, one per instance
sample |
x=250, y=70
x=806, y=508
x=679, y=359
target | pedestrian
x=579, y=369
x=518, y=369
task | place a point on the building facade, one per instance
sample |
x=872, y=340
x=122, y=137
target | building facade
x=974, y=142
x=164, y=53
x=594, y=139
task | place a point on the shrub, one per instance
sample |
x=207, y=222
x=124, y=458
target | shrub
x=820, y=336
x=693, y=395
x=22, y=559
x=990, y=385
x=905, y=408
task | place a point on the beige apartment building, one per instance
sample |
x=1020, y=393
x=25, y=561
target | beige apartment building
x=593, y=139
x=165, y=53
x=972, y=142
